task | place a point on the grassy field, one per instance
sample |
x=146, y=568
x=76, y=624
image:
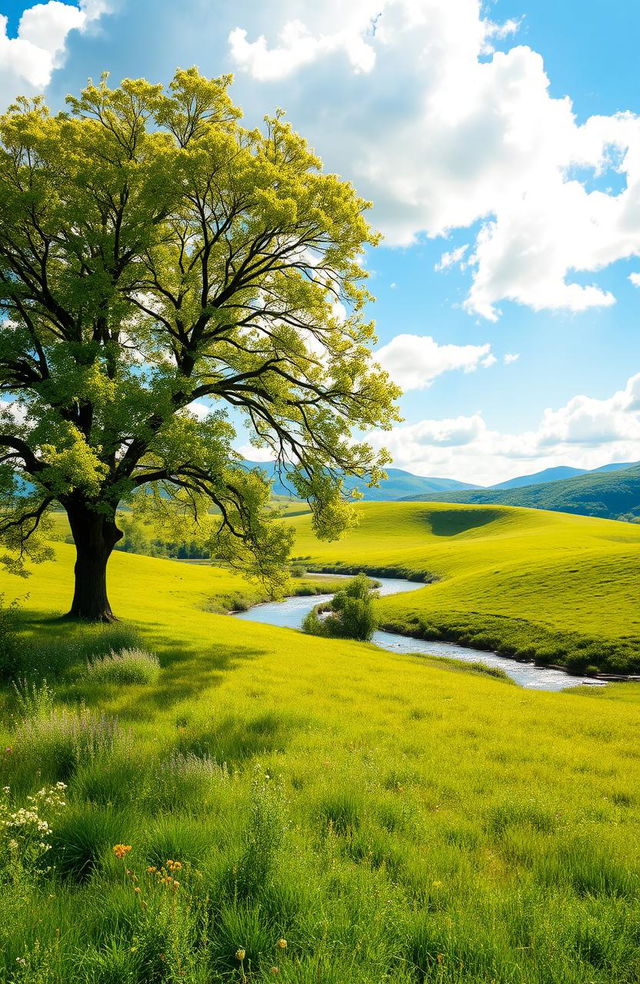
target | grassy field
x=389, y=817
x=561, y=589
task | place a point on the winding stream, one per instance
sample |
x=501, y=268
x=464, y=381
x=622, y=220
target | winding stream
x=291, y=612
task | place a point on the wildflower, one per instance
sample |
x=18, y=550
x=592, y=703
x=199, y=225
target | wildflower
x=240, y=954
x=282, y=944
x=121, y=850
x=176, y=884
x=137, y=889
x=151, y=870
x=275, y=970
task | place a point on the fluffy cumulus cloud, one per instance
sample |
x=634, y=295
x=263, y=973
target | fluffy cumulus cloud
x=414, y=361
x=445, y=122
x=28, y=60
x=585, y=433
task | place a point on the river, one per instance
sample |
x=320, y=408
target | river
x=291, y=612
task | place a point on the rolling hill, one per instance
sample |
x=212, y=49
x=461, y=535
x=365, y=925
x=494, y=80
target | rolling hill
x=538, y=585
x=610, y=494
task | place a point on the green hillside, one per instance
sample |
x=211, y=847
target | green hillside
x=562, y=589
x=606, y=494
x=389, y=817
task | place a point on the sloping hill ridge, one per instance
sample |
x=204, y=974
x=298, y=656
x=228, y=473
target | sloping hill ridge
x=557, y=474
x=605, y=494
x=399, y=484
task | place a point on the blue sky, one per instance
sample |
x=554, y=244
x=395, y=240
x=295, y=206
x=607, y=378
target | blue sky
x=502, y=138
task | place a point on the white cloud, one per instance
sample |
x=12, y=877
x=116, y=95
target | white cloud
x=199, y=409
x=452, y=258
x=635, y=279
x=414, y=361
x=28, y=61
x=298, y=47
x=585, y=433
x=442, y=131
x=510, y=357
x=249, y=453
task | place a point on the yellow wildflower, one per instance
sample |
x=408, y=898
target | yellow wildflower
x=121, y=850
x=282, y=943
x=240, y=954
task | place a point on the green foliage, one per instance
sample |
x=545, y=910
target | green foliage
x=138, y=537
x=179, y=258
x=123, y=667
x=33, y=699
x=53, y=745
x=351, y=613
x=51, y=655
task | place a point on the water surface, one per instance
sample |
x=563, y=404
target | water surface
x=290, y=614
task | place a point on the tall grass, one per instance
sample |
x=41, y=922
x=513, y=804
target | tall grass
x=50, y=747
x=123, y=667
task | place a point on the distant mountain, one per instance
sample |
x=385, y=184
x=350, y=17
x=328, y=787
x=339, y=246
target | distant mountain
x=558, y=474
x=399, y=484
x=607, y=493
x=616, y=466
x=548, y=475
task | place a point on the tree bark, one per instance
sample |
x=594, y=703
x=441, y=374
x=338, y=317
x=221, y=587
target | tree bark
x=95, y=536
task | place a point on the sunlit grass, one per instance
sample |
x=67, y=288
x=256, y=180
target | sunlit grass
x=389, y=817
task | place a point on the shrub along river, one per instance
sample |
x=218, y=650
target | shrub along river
x=291, y=612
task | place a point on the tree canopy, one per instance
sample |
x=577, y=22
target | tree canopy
x=167, y=275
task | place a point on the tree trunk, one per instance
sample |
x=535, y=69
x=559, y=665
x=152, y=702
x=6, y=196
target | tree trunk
x=95, y=536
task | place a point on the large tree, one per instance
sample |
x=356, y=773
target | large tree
x=155, y=258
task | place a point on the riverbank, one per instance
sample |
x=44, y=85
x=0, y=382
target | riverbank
x=291, y=612
x=483, y=637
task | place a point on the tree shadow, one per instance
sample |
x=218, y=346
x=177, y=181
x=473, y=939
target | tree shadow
x=188, y=672
x=451, y=522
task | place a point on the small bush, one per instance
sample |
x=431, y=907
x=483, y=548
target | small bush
x=351, y=613
x=126, y=666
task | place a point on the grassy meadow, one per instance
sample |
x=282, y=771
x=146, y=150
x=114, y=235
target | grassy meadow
x=552, y=587
x=312, y=810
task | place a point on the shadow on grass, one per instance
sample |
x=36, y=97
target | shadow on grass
x=58, y=651
x=451, y=522
x=186, y=673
